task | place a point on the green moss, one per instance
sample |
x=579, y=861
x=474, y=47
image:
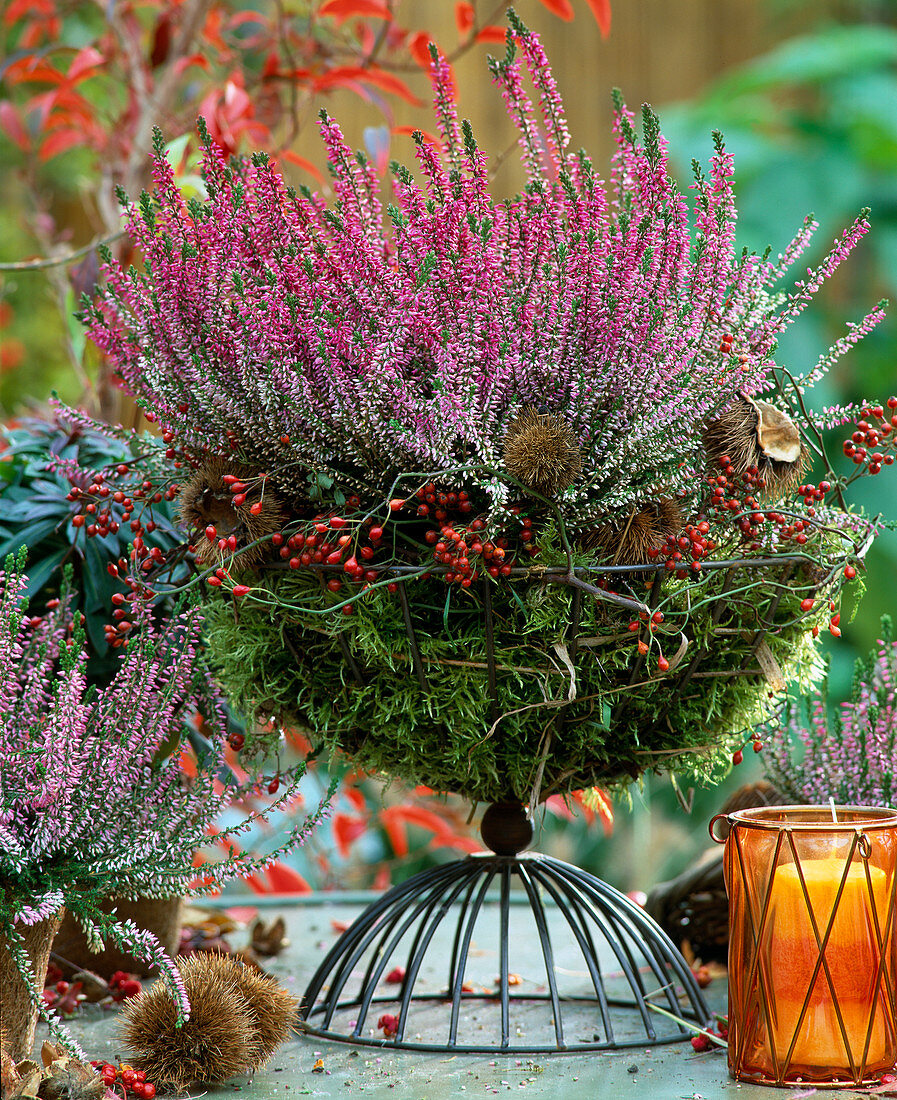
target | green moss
x=278, y=654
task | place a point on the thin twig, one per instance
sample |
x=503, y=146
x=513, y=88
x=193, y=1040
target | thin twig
x=59, y=261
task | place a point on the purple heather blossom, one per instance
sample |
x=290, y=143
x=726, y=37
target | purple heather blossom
x=380, y=344
x=93, y=800
x=850, y=756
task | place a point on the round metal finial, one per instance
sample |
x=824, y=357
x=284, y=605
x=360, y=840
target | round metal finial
x=506, y=829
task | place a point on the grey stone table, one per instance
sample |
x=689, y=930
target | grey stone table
x=672, y=1072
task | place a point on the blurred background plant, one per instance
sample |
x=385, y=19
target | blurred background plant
x=802, y=89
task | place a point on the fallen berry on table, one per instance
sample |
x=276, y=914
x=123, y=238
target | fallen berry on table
x=388, y=1024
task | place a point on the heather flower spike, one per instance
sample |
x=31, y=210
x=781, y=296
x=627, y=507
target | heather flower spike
x=812, y=755
x=93, y=799
x=378, y=351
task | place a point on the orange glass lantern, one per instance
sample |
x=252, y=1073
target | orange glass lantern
x=812, y=944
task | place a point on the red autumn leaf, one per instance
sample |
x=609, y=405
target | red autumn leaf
x=601, y=806
x=346, y=830
x=32, y=70
x=211, y=31
x=187, y=763
x=298, y=740
x=464, y=18
x=284, y=880
x=307, y=165
x=355, y=796
x=395, y=830
x=242, y=913
x=341, y=10
x=161, y=44
x=556, y=804
x=241, y=18
x=601, y=11
x=561, y=8
x=425, y=819
x=387, y=82
x=255, y=884
x=428, y=137
x=18, y=9
x=85, y=63
x=12, y=126
x=457, y=843
x=418, y=45
x=39, y=30
x=491, y=34
x=183, y=63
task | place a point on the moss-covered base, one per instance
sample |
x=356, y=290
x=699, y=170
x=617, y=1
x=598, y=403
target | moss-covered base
x=565, y=716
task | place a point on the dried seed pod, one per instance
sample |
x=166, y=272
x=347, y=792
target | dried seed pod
x=206, y=501
x=753, y=432
x=67, y=1078
x=217, y=1041
x=626, y=540
x=541, y=451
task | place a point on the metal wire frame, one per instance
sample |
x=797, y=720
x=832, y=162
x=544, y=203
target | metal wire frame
x=399, y=929
x=762, y=1049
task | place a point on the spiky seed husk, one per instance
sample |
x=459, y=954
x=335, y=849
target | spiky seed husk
x=753, y=432
x=205, y=500
x=626, y=540
x=541, y=451
x=273, y=1010
x=219, y=1040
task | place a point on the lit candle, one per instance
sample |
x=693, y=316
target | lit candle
x=851, y=954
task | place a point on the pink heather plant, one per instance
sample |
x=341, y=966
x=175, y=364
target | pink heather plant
x=93, y=801
x=850, y=757
x=307, y=337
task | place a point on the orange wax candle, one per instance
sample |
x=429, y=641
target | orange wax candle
x=852, y=956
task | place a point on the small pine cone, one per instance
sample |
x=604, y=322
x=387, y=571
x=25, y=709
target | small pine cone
x=205, y=500
x=755, y=433
x=541, y=451
x=627, y=540
x=216, y=1042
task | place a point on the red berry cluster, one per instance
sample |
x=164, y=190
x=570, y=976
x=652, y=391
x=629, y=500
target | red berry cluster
x=650, y=622
x=756, y=744
x=101, y=509
x=458, y=546
x=747, y=511
x=124, y=608
x=124, y=985
x=685, y=550
x=437, y=503
x=864, y=445
x=126, y=1080
x=702, y=1040
x=388, y=1024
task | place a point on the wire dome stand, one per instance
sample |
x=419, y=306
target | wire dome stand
x=643, y=999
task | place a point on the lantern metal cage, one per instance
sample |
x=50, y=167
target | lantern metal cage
x=413, y=949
